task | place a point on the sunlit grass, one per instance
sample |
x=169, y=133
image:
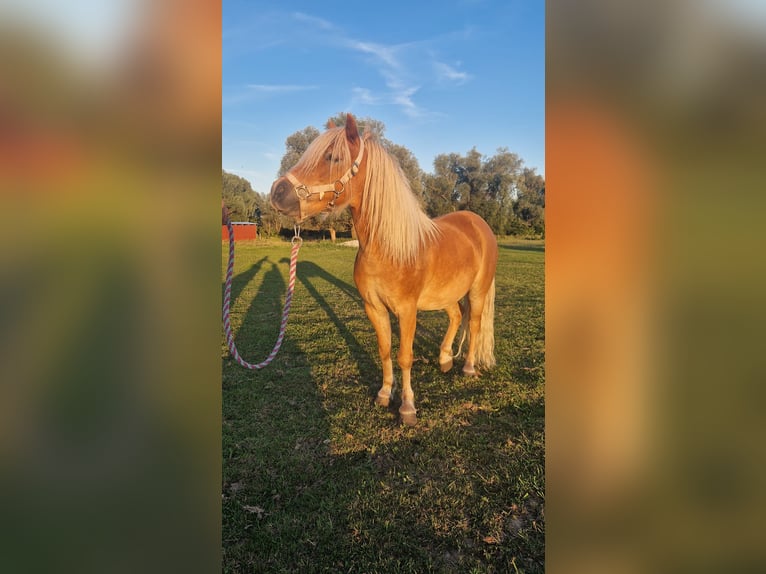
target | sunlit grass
x=317, y=478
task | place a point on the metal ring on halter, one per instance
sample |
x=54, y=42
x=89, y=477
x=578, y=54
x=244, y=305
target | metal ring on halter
x=297, y=237
x=302, y=191
x=342, y=187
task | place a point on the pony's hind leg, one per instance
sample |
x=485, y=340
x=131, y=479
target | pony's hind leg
x=380, y=321
x=476, y=306
x=445, y=351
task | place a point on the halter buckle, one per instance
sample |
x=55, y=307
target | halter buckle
x=302, y=191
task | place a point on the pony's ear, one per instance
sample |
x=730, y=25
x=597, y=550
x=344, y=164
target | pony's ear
x=352, y=131
x=330, y=124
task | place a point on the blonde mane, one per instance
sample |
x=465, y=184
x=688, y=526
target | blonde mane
x=396, y=222
x=394, y=218
x=335, y=140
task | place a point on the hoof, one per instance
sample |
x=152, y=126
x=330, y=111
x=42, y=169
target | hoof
x=407, y=412
x=409, y=418
x=445, y=366
x=382, y=399
x=470, y=371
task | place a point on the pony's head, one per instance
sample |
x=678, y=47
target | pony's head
x=321, y=180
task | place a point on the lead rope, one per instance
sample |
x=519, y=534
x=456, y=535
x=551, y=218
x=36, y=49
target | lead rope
x=296, y=243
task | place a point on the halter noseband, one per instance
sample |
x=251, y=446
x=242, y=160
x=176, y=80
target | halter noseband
x=304, y=191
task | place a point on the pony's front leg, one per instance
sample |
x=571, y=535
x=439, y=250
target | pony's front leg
x=407, y=323
x=380, y=321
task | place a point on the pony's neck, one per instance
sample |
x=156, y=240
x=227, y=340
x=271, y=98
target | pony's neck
x=361, y=226
x=388, y=219
x=361, y=223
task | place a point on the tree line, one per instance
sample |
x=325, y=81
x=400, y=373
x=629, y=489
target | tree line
x=508, y=195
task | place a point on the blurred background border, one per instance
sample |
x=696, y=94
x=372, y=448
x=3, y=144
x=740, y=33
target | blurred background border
x=655, y=117
x=110, y=286
x=110, y=182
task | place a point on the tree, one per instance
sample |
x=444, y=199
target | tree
x=437, y=195
x=242, y=203
x=296, y=144
x=365, y=125
x=532, y=187
x=239, y=197
x=530, y=206
x=490, y=186
x=409, y=164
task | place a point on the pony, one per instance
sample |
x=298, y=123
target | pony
x=406, y=261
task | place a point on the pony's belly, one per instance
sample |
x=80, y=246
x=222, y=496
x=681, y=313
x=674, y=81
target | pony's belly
x=439, y=297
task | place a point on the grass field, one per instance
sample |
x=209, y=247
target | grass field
x=316, y=478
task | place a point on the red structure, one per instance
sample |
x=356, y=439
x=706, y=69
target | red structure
x=243, y=230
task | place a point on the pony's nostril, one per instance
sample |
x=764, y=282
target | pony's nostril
x=280, y=190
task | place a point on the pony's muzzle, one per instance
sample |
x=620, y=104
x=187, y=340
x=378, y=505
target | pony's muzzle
x=283, y=198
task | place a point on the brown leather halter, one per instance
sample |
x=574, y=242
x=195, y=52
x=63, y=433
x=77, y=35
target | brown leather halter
x=304, y=192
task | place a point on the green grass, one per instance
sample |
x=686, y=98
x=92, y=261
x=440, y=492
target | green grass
x=316, y=478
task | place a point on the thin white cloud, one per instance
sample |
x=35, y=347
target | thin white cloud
x=314, y=21
x=279, y=88
x=401, y=97
x=445, y=72
x=405, y=67
x=386, y=54
x=365, y=96
x=252, y=91
x=397, y=77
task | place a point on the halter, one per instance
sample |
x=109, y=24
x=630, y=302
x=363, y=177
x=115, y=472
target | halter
x=304, y=191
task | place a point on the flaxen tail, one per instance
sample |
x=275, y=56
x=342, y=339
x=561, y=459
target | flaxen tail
x=485, y=341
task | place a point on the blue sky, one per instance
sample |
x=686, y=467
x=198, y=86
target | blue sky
x=443, y=76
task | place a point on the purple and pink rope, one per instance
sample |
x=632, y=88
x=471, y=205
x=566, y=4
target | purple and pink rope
x=285, y=312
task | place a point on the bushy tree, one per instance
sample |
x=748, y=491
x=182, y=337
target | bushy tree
x=530, y=206
x=295, y=145
x=365, y=125
x=239, y=197
x=409, y=164
x=507, y=195
x=242, y=202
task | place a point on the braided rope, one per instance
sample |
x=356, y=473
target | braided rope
x=285, y=312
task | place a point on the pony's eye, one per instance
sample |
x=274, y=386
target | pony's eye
x=328, y=157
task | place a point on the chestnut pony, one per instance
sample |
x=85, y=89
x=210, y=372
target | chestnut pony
x=406, y=262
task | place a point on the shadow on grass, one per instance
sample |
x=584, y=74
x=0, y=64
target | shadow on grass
x=314, y=479
x=241, y=280
x=274, y=429
x=260, y=324
x=538, y=248
x=309, y=269
x=346, y=297
x=442, y=498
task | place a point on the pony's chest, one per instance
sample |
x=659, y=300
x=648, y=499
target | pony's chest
x=386, y=283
